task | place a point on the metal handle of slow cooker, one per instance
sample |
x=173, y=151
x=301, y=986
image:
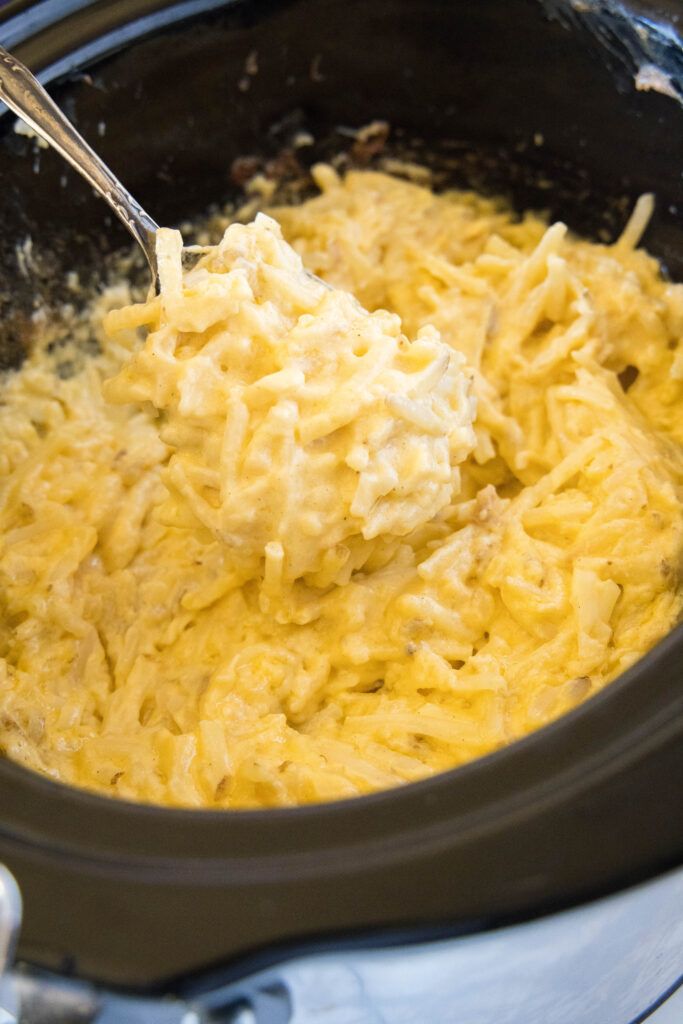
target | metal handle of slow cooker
x=24, y=95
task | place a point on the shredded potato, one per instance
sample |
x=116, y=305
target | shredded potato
x=305, y=431
x=185, y=619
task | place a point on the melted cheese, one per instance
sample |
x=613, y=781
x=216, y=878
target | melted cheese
x=206, y=603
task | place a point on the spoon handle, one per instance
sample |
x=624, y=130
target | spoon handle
x=26, y=97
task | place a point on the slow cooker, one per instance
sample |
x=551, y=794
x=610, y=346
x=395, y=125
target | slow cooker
x=539, y=885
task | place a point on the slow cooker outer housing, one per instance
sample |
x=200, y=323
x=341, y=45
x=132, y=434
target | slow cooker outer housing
x=141, y=896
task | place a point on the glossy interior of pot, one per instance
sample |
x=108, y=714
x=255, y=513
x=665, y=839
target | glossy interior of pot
x=496, y=95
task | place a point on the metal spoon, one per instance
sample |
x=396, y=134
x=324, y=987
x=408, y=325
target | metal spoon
x=26, y=97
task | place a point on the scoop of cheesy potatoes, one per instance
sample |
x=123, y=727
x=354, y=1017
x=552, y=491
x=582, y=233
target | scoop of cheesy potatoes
x=290, y=538
x=306, y=433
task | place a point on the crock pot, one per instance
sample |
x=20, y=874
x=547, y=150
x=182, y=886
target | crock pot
x=540, y=884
